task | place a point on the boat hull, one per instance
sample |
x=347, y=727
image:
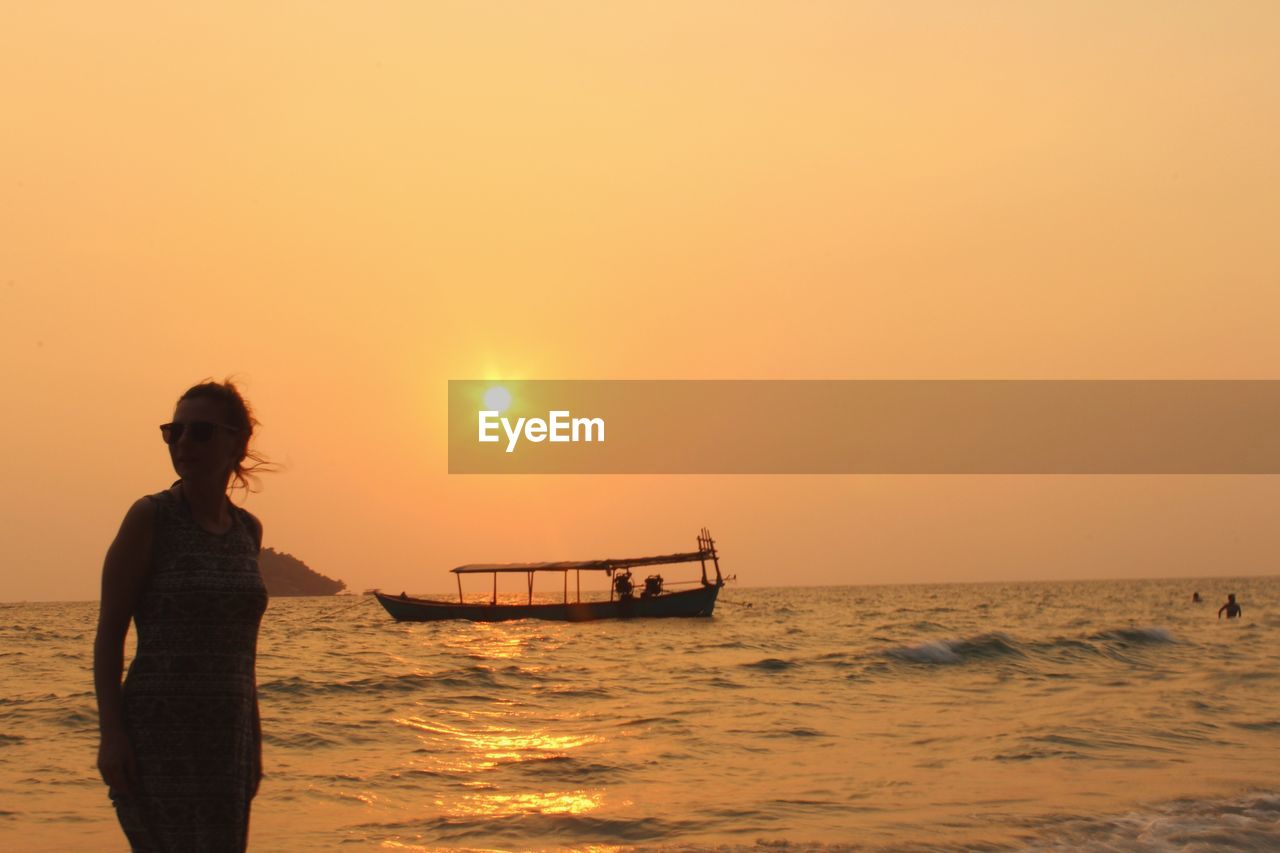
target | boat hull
x=692, y=602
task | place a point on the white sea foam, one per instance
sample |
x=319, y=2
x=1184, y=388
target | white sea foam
x=938, y=651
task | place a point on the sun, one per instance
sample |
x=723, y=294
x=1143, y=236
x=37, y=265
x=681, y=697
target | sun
x=497, y=399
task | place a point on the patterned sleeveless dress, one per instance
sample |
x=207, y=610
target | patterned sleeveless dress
x=190, y=698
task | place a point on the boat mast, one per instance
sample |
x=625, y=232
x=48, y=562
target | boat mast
x=702, y=558
x=715, y=558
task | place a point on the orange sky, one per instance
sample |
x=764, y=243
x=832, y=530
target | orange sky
x=347, y=205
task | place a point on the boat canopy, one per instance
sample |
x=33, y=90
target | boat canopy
x=606, y=565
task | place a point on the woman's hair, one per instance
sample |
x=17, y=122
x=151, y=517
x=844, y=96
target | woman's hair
x=240, y=416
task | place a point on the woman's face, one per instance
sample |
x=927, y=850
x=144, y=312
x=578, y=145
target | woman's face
x=211, y=459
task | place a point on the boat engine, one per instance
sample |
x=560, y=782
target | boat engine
x=622, y=584
x=652, y=586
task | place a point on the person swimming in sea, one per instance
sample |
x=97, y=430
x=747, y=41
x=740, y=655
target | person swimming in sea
x=1232, y=609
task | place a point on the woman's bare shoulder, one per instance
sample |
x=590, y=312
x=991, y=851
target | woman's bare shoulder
x=140, y=518
x=143, y=507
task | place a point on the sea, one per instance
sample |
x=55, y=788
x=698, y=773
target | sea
x=1101, y=715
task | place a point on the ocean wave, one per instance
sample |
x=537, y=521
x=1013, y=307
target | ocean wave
x=300, y=740
x=1250, y=822
x=566, y=768
x=1152, y=635
x=1259, y=726
x=799, y=731
x=794, y=731
x=939, y=651
x=566, y=691
x=979, y=646
x=1033, y=754
x=521, y=827
x=1115, y=643
x=646, y=721
x=728, y=644
x=78, y=719
x=39, y=699
x=472, y=676
x=838, y=659
x=771, y=664
x=925, y=610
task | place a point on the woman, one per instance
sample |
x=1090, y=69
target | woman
x=181, y=747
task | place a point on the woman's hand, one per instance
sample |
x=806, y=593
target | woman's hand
x=115, y=761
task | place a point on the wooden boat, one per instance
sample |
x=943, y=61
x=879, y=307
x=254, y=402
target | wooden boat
x=625, y=601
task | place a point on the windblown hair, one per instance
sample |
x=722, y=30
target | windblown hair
x=239, y=415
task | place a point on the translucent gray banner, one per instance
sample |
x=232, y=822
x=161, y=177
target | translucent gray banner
x=864, y=427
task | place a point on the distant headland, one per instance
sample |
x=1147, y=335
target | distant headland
x=285, y=574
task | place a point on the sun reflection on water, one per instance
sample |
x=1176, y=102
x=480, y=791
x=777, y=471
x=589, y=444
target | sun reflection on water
x=490, y=644
x=471, y=741
x=397, y=844
x=460, y=750
x=499, y=641
x=506, y=805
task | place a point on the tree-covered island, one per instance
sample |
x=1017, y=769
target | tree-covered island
x=285, y=574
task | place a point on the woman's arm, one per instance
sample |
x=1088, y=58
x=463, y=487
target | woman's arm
x=123, y=573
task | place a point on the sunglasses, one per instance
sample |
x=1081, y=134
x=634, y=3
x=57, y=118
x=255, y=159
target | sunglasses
x=199, y=430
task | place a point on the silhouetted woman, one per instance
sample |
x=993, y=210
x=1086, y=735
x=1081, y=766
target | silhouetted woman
x=181, y=747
